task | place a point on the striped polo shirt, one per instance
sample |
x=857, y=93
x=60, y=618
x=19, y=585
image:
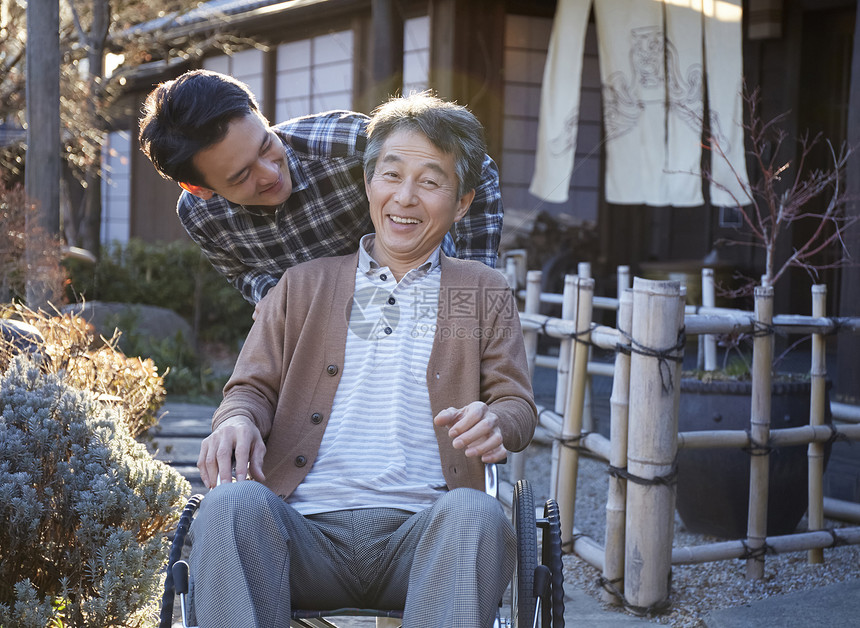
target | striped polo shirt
x=379, y=448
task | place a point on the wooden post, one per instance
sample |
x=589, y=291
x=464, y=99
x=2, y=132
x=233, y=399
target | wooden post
x=658, y=316
x=760, y=431
x=815, y=514
x=572, y=425
x=517, y=460
x=387, y=49
x=619, y=403
x=709, y=300
x=42, y=177
x=565, y=365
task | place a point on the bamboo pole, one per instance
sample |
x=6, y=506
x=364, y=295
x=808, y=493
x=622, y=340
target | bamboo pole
x=658, y=311
x=842, y=510
x=622, y=280
x=517, y=460
x=583, y=269
x=760, y=432
x=572, y=428
x=796, y=542
x=782, y=437
x=532, y=306
x=597, y=445
x=616, y=500
x=588, y=549
x=709, y=300
x=565, y=364
x=841, y=411
x=511, y=273
x=815, y=514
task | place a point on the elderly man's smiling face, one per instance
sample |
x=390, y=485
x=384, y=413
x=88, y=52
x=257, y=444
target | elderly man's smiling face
x=413, y=200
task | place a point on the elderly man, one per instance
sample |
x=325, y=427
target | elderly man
x=370, y=393
x=259, y=199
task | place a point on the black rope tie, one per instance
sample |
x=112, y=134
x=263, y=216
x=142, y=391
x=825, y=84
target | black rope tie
x=838, y=324
x=761, y=330
x=611, y=586
x=756, y=448
x=836, y=435
x=567, y=546
x=756, y=554
x=836, y=542
x=572, y=442
x=661, y=480
x=664, y=356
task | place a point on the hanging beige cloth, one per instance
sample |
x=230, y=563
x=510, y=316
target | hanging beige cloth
x=558, y=123
x=723, y=41
x=651, y=70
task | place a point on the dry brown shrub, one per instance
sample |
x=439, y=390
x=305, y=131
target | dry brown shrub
x=70, y=348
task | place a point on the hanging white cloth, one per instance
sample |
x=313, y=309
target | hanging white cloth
x=559, y=107
x=651, y=70
x=724, y=61
x=684, y=104
x=630, y=37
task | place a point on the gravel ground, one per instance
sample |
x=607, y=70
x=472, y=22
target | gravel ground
x=696, y=589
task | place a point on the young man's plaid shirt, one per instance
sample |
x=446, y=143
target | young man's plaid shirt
x=327, y=212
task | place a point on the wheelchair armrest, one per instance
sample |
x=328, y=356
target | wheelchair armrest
x=491, y=478
x=180, y=577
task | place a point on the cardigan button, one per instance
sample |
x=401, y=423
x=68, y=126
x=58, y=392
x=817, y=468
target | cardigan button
x=301, y=461
x=331, y=369
x=316, y=418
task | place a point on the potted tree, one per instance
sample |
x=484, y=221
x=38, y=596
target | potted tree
x=713, y=484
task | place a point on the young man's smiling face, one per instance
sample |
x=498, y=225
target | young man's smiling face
x=248, y=166
x=413, y=200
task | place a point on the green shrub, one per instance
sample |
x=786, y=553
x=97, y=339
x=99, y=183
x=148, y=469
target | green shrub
x=174, y=275
x=84, y=508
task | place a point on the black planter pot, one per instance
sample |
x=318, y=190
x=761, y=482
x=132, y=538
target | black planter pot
x=713, y=484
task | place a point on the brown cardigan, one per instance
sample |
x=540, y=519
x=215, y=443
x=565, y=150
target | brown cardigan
x=289, y=368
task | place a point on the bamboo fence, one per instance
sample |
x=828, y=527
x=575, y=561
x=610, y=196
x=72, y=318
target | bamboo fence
x=637, y=550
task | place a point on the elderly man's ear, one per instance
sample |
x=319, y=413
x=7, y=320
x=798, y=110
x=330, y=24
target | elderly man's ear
x=463, y=205
x=197, y=190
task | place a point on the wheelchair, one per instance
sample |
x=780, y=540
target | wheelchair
x=536, y=590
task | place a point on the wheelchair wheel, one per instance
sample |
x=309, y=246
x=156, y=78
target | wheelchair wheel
x=522, y=591
x=552, y=615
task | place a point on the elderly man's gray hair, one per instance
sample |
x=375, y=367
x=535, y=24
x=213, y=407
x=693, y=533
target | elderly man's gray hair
x=450, y=127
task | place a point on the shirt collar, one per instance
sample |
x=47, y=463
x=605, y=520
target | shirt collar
x=370, y=266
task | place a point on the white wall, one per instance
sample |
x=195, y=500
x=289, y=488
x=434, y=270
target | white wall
x=116, y=187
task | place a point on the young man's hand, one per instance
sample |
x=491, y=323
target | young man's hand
x=237, y=439
x=475, y=429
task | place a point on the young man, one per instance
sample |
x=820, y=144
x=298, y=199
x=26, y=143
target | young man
x=371, y=391
x=259, y=199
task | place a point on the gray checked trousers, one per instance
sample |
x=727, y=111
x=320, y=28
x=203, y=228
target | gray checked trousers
x=253, y=558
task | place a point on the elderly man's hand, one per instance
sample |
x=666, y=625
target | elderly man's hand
x=236, y=438
x=475, y=429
